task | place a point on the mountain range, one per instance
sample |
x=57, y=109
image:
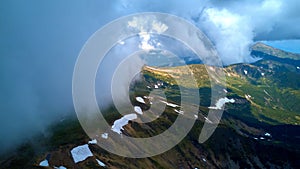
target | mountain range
x=259, y=130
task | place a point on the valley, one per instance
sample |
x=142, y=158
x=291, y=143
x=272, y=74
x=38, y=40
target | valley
x=260, y=126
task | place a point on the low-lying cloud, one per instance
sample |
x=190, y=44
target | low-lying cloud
x=40, y=41
x=233, y=26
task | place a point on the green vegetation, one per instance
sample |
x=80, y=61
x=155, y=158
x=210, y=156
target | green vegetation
x=267, y=98
x=271, y=88
x=260, y=47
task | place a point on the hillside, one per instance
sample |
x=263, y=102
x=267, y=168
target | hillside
x=260, y=129
x=271, y=87
x=263, y=48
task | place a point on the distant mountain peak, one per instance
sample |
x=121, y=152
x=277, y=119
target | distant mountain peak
x=268, y=50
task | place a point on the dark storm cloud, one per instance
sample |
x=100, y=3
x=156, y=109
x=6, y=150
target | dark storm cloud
x=40, y=41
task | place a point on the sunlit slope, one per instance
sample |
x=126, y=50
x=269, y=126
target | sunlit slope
x=265, y=49
x=259, y=130
x=271, y=87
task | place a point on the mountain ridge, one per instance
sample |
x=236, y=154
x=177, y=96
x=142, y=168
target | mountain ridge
x=261, y=47
x=259, y=130
x=269, y=85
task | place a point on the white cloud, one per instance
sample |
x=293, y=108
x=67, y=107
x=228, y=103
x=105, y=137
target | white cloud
x=145, y=41
x=230, y=32
x=146, y=26
x=250, y=20
x=233, y=26
x=159, y=27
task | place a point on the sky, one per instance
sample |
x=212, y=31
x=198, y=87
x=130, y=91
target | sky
x=40, y=41
x=287, y=45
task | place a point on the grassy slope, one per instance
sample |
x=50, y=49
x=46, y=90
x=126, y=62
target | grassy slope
x=230, y=146
x=274, y=52
x=273, y=100
x=225, y=149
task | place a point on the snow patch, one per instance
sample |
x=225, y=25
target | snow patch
x=139, y=99
x=138, y=109
x=118, y=124
x=160, y=83
x=207, y=120
x=298, y=67
x=196, y=116
x=44, y=163
x=155, y=86
x=268, y=134
x=94, y=141
x=204, y=159
x=246, y=72
x=80, y=153
x=100, y=163
x=60, y=167
x=170, y=104
x=248, y=96
x=104, y=135
x=263, y=74
x=179, y=111
x=221, y=102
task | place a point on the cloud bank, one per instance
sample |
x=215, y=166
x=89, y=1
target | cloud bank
x=233, y=26
x=40, y=41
